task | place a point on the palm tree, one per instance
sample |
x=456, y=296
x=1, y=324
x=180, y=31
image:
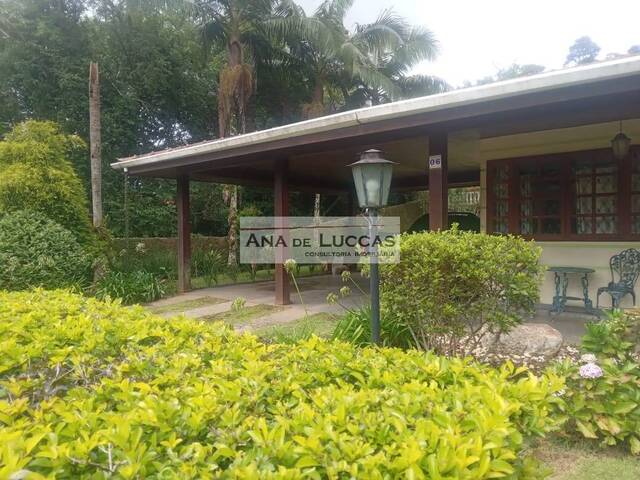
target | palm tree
x=395, y=63
x=235, y=24
x=327, y=50
x=374, y=57
x=369, y=65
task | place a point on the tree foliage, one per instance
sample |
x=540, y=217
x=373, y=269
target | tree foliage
x=37, y=252
x=161, y=69
x=583, y=51
x=36, y=174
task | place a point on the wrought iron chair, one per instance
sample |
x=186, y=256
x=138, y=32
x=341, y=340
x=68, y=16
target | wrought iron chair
x=626, y=265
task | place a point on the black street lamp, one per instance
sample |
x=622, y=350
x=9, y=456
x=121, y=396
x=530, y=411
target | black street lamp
x=372, y=178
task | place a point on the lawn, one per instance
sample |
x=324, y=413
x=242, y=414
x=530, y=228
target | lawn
x=186, y=305
x=321, y=324
x=243, y=315
x=582, y=461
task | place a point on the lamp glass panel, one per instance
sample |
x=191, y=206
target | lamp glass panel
x=387, y=172
x=358, y=181
x=372, y=185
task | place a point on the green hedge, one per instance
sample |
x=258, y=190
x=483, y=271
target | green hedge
x=37, y=252
x=92, y=389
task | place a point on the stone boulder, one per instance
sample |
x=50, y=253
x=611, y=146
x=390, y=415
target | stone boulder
x=533, y=339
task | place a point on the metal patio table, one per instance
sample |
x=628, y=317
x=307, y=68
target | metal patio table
x=561, y=281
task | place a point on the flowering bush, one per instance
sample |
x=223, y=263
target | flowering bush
x=93, y=390
x=602, y=398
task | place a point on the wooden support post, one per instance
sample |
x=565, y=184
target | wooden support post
x=281, y=209
x=438, y=185
x=184, y=235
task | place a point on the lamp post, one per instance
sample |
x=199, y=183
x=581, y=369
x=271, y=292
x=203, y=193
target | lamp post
x=372, y=178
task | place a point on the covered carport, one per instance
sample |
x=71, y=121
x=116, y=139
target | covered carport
x=465, y=127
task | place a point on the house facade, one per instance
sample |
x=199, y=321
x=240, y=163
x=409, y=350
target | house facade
x=539, y=147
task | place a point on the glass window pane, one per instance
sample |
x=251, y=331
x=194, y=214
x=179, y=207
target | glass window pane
x=635, y=203
x=606, y=168
x=583, y=168
x=549, y=206
x=584, y=205
x=635, y=224
x=583, y=186
x=526, y=226
x=501, y=225
x=606, y=224
x=606, y=184
x=502, y=208
x=583, y=226
x=550, y=225
x=525, y=185
x=606, y=204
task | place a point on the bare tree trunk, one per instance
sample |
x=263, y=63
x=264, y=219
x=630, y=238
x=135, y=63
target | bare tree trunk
x=95, y=144
x=232, y=241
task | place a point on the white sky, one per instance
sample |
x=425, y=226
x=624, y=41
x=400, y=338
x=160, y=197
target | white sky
x=477, y=38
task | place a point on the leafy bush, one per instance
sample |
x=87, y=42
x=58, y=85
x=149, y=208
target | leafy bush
x=617, y=337
x=163, y=263
x=131, y=287
x=37, y=252
x=602, y=397
x=452, y=287
x=91, y=389
x=36, y=175
x=209, y=264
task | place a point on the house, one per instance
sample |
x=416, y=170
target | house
x=539, y=147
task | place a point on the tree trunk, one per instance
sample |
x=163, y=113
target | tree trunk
x=232, y=239
x=95, y=144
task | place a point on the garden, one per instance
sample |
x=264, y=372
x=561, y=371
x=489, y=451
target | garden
x=98, y=379
x=93, y=388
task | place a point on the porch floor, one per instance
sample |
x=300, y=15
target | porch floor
x=213, y=301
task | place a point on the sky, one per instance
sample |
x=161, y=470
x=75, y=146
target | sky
x=477, y=38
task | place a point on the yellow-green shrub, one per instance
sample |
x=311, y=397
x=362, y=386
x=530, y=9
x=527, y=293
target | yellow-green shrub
x=90, y=389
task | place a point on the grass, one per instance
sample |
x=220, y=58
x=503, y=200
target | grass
x=244, y=315
x=186, y=305
x=582, y=461
x=320, y=324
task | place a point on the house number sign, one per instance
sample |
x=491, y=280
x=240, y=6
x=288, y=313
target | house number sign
x=435, y=162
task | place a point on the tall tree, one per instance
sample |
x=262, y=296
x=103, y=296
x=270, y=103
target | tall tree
x=236, y=24
x=329, y=52
x=395, y=62
x=583, y=51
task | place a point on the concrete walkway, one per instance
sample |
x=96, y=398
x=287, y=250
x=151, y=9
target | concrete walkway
x=314, y=291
